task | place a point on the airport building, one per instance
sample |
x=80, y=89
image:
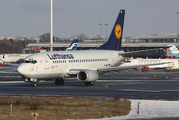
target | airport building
x=142, y=42
x=153, y=38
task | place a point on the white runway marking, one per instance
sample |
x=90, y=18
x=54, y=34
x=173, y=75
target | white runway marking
x=138, y=90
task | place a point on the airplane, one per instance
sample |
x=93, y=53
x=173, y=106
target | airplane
x=174, y=50
x=168, y=64
x=17, y=58
x=86, y=65
x=11, y=58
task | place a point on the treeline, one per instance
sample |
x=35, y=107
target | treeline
x=10, y=46
x=81, y=37
x=46, y=38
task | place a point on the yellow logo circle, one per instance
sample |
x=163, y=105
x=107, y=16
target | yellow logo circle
x=118, y=31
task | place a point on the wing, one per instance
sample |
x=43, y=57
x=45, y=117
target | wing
x=11, y=64
x=102, y=71
x=141, y=51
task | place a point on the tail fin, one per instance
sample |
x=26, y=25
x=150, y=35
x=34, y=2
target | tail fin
x=73, y=45
x=174, y=50
x=115, y=39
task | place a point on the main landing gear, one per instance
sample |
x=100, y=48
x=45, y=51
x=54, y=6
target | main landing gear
x=89, y=83
x=59, y=81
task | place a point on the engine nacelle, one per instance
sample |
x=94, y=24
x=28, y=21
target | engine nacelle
x=87, y=76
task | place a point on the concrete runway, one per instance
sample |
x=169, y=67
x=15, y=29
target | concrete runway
x=131, y=74
x=142, y=88
x=166, y=90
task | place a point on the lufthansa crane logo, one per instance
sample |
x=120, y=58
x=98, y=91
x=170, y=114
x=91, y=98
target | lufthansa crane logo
x=118, y=31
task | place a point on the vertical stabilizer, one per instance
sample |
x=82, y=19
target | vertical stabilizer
x=73, y=45
x=174, y=50
x=115, y=39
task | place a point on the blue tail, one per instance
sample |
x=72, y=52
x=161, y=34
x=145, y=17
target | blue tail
x=115, y=39
x=174, y=50
x=73, y=45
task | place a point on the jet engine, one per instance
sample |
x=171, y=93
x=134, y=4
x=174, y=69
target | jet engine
x=87, y=76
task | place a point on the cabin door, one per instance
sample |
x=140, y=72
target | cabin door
x=46, y=62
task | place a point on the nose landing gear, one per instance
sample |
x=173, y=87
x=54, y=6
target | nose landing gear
x=33, y=84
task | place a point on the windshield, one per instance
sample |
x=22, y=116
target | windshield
x=29, y=61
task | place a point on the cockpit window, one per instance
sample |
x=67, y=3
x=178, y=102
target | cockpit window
x=34, y=61
x=22, y=61
x=29, y=61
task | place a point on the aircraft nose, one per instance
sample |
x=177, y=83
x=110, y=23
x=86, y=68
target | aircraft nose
x=20, y=69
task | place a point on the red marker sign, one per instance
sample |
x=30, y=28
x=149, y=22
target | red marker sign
x=10, y=102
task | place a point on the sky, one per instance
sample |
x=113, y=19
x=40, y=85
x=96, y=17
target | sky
x=73, y=17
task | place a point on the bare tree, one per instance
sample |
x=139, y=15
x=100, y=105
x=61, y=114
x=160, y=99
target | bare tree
x=81, y=37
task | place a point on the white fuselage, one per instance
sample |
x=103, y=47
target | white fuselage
x=13, y=57
x=58, y=64
x=169, y=63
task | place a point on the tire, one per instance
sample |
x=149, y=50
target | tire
x=57, y=82
x=61, y=81
x=89, y=83
x=86, y=83
x=33, y=84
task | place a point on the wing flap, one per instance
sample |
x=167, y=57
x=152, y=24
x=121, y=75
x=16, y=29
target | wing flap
x=141, y=51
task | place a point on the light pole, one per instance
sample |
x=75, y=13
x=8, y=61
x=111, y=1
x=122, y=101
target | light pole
x=177, y=30
x=25, y=40
x=100, y=30
x=51, y=32
x=106, y=29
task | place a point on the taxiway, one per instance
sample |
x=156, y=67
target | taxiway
x=162, y=89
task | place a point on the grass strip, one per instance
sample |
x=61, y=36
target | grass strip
x=52, y=108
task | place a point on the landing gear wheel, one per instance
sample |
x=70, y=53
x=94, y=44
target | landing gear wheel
x=86, y=83
x=59, y=81
x=33, y=84
x=89, y=83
